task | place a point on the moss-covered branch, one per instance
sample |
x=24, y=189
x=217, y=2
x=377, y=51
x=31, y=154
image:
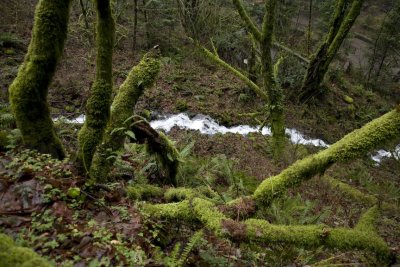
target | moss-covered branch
x=362, y=237
x=250, y=25
x=302, y=59
x=312, y=236
x=28, y=92
x=351, y=146
x=256, y=89
x=271, y=84
x=140, y=77
x=98, y=105
x=12, y=255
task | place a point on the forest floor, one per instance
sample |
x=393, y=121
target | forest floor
x=40, y=207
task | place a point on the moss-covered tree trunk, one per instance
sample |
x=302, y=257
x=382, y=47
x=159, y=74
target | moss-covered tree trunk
x=273, y=90
x=28, y=92
x=98, y=105
x=140, y=77
x=320, y=61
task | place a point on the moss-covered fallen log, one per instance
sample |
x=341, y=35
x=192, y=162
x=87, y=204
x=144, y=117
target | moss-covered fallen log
x=362, y=237
x=28, y=92
x=12, y=255
x=353, y=145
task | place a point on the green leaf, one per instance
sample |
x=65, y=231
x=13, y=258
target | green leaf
x=130, y=134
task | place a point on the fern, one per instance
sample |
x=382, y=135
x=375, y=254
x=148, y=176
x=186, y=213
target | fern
x=193, y=241
x=6, y=120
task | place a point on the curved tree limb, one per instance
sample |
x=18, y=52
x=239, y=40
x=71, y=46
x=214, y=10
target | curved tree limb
x=250, y=25
x=292, y=52
x=214, y=57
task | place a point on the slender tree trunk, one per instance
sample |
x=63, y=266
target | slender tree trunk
x=270, y=85
x=146, y=24
x=375, y=50
x=271, y=92
x=98, y=105
x=320, y=62
x=309, y=27
x=28, y=92
x=135, y=22
x=383, y=58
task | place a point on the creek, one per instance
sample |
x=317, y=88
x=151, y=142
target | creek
x=207, y=125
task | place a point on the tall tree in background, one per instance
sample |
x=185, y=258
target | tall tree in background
x=346, y=13
x=28, y=92
x=387, y=40
x=271, y=91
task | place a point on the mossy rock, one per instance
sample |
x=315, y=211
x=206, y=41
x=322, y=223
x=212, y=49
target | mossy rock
x=11, y=255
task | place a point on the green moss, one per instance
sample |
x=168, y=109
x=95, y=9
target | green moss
x=140, y=77
x=207, y=213
x=98, y=105
x=180, y=193
x=11, y=255
x=367, y=221
x=144, y=191
x=28, y=92
x=176, y=211
x=350, y=147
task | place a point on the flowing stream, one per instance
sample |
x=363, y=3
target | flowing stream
x=206, y=125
